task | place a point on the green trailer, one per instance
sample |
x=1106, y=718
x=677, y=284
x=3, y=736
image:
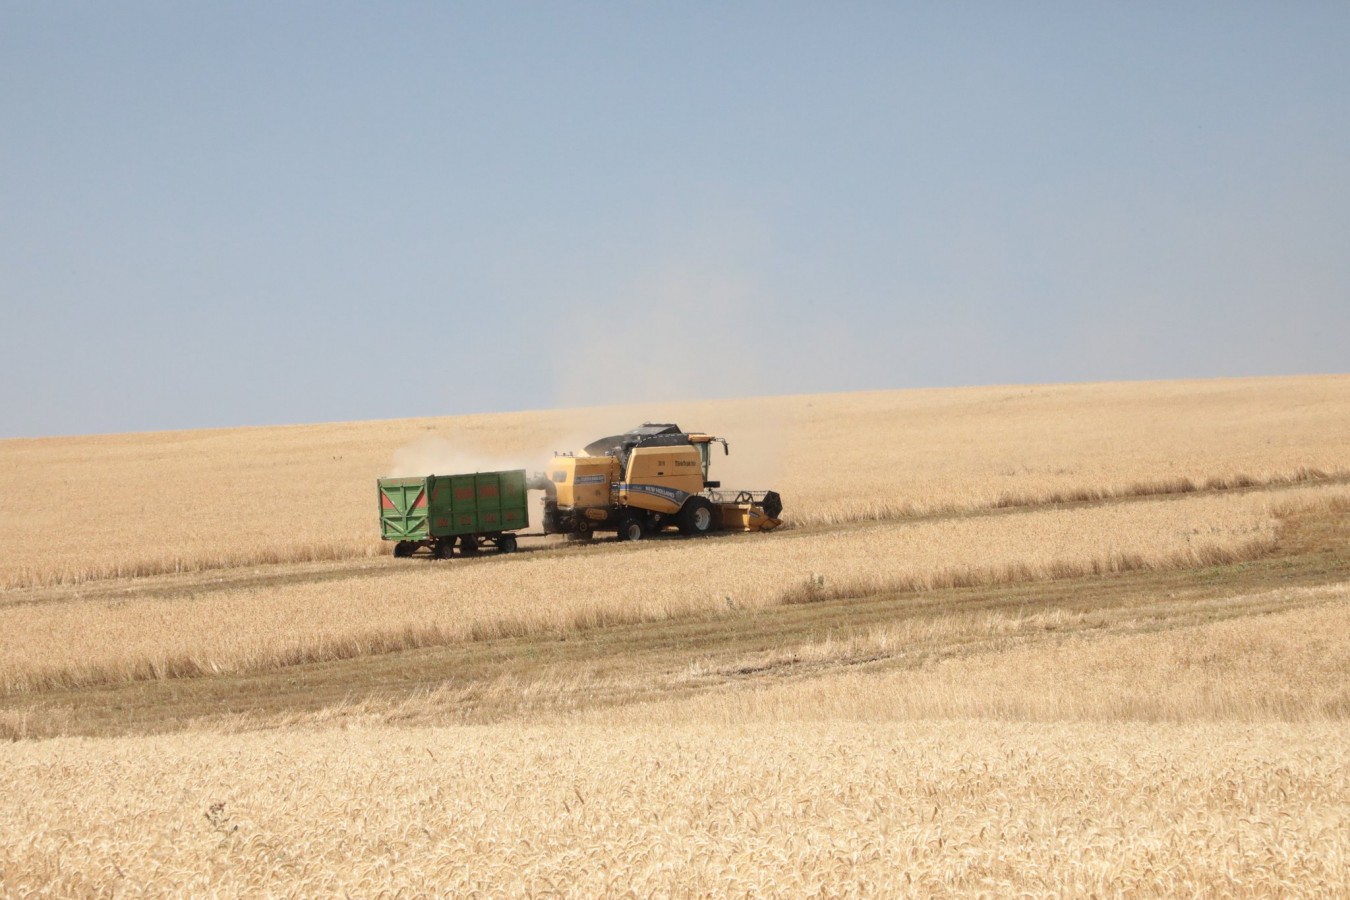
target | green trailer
x=438, y=512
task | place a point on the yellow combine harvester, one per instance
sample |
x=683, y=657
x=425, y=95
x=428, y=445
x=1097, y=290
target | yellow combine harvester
x=645, y=481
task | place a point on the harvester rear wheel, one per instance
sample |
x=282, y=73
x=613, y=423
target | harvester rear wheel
x=506, y=543
x=630, y=529
x=696, y=517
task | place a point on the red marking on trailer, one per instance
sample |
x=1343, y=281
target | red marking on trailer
x=421, y=501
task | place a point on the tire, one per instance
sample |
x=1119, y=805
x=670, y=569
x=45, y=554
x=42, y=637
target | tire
x=696, y=517
x=506, y=543
x=630, y=528
x=468, y=545
x=581, y=534
x=444, y=548
x=404, y=548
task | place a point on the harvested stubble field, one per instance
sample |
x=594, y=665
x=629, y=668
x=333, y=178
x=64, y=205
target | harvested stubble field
x=1084, y=639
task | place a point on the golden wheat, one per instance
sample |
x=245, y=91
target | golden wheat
x=841, y=809
x=1276, y=654
x=1108, y=665
x=201, y=630
x=1159, y=745
x=84, y=508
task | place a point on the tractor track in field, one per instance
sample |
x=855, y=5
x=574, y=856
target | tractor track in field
x=539, y=674
x=255, y=577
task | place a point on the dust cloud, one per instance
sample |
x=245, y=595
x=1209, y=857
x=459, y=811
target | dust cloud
x=439, y=455
x=759, y=445
x=690, y=343
x=758, y=431
x=675, y=335
x=694, y=344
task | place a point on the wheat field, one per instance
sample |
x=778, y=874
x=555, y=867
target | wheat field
x=106, y=506
x=1051, y=640
x=417, y=604
x=1290, y=666
x=841, y=809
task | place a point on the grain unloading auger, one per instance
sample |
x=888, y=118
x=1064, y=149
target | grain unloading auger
x=647, y=480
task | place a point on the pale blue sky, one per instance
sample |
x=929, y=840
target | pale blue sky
x=264, y=213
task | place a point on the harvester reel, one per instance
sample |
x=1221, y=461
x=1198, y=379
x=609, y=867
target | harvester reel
x=696, y=517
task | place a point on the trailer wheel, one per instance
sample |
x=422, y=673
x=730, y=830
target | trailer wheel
x=444, y=549
x=506, y=543
x=696, y=517
x=630, y=529
x=404, y=548
x=468, y=545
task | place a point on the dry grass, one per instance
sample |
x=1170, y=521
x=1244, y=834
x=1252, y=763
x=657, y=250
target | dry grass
x=78, y=509
x=846, y=809
x=195, y=628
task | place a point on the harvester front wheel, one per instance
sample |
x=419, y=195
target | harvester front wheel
x=696, y=517
x=506, y=543
x=630, y=529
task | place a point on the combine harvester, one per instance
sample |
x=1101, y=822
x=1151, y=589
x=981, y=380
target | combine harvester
x=634, y=484
x=644, y=481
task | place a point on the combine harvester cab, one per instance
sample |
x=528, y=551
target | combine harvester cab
x=436, y=513
x=645, y=481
